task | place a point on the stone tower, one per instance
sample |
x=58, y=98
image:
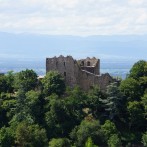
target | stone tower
x=66, y=66
x=91, y=65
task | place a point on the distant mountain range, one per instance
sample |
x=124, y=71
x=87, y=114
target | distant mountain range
x=38, y=47
x=117, y=53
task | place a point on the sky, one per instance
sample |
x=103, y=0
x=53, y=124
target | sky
x=74, y=17
x=38, y=29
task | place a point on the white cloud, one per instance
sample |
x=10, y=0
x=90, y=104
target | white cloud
x=136, y=2
x=74, y=17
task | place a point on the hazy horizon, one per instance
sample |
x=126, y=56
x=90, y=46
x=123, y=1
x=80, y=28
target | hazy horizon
x=37, y=47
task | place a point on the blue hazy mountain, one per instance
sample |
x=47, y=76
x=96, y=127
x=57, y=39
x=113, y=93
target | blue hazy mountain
x=126, y=47
x=117, y=53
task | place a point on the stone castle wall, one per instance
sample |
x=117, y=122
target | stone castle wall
x=88, y=80
x=85, y=72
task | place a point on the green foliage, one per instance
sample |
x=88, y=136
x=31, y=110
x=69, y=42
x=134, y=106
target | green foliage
x=6, y=137
x=30, y=135
x=89, y=143
x=115, y=101
x=144, y=139
x=10, y=76
x=139, y=69
x=77, y=98
x=3, y=117
x=70, y=118
x=109, y=129
x=21, y=112
x=135, y=85
x=114, y=141
x=143, y=84
x=144, y=103
x=7, y=108
x=75, y=102
x=87, y=129
x=7, y=82
x=131, y=88
x=136, y=117
x=3, y=84
x=60, y=142
x=53, y=83
x=94, y=102
x=26, y=80
x=58, y=118
x=55, y=118
x=127, y=137
x=34, y=105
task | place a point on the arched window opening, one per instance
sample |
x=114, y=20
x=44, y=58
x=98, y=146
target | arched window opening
x=88, y=63
x=82, y=63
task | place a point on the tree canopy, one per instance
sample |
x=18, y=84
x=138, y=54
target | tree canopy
x=44, y=112
x=53, y=83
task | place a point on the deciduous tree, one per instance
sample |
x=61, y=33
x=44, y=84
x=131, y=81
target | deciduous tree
x=26, y=80
x=53, y=83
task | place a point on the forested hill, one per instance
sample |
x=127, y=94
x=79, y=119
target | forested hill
x=45, y=113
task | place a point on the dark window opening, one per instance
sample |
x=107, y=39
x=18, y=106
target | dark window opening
x=65, y=74
x=64, y=63
x=82, y=63
x=88, y=63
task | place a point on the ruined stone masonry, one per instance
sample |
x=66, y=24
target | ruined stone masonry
x=84, y=72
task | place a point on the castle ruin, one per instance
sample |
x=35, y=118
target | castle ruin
x=84, y=72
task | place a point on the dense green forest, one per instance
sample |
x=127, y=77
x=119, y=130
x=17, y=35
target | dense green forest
x=45, y=113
